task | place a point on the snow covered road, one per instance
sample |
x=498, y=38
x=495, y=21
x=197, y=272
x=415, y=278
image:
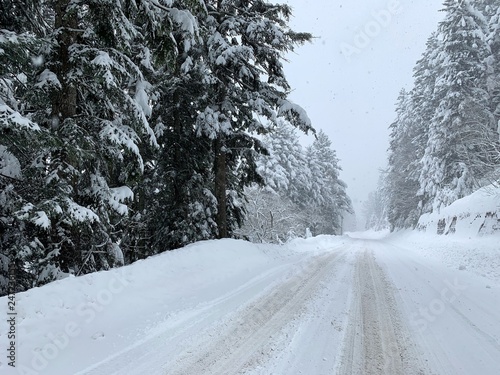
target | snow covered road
x=246, y=340
x=253, y=324
x=331, y=305
x=367, y=307
x=453, y=315
x=376, y=341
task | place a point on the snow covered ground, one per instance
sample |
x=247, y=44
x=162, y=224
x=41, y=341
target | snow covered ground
x=77, y=323
x=364, y=303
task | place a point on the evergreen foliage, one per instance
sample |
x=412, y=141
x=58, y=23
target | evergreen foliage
x=326, y=199
x=247, y=90
x=302, y=191
x=131, y=127
x=445, y=140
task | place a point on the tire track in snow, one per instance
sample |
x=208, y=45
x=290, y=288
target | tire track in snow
x=456, y=338
x=376, y=341
x=176, y=331
x=245, y=341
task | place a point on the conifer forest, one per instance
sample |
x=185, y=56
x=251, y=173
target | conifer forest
x=444, y=142
x=133, y=127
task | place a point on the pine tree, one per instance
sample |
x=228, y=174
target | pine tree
x=451, y=167
x=87, y=98
x=326, y=199
x=131, y=127
x=21, y=45
x=285, y=170
x=375, y=208
x=245, y=43
x=493, y=38
x=274, y=210
x=98, y=100
x=177, y=204
x=493, y=82
x=302, y=189
x=401, y=181
x=444, y=142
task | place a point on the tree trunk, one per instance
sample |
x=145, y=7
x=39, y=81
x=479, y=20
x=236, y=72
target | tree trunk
x=64, y=101
x=179, y=160
x=220, y=186
x=221, y=168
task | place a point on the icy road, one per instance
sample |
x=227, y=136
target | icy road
x=361, y=307
x=333, y=305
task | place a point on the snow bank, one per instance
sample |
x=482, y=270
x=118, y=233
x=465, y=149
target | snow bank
x=71, y=324
x=316, y=244
x=464, y=236
x=478, y=213
x=475, y=254
x=369, y=234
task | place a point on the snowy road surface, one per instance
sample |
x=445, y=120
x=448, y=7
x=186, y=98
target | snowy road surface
x=365, y=307
x=339, y=305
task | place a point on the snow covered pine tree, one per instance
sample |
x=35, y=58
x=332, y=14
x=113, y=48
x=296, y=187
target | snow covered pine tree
x=244, y=42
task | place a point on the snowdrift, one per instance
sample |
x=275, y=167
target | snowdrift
x=78, y=322
x=478, y=213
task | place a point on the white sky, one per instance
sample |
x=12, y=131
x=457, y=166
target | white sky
x=353, y=100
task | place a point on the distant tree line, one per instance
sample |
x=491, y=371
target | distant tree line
x=302, y=191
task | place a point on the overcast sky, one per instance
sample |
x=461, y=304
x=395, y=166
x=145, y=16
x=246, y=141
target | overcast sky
x=349, y=78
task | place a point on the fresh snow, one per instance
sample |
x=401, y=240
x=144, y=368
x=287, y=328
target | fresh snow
x=80, y=213
x=7, y=114
x=103, y=59
x=477, y=255
x=48, y=78
x=404, y=303
x=101, y=315
x=119, y=195
x=9, y=165
x=41, y=220
x=288, y=108
x=228, y=307
x=142, y=98
x=120, y=134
